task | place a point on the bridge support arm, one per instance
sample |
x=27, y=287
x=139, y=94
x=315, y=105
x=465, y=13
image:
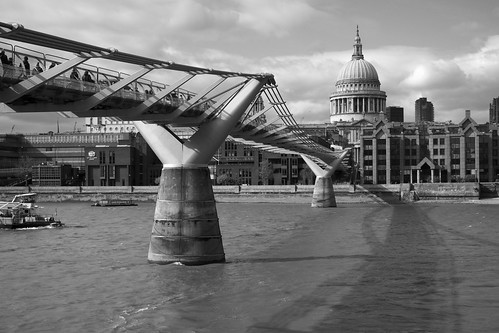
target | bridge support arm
x=186, y=227
x=323, y=195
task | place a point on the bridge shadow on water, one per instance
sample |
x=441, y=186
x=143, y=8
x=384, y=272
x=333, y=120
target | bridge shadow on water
x=406, y=284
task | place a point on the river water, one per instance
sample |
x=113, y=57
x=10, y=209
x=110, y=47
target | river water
x=423, y=267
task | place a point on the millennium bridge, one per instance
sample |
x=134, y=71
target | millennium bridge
x=46, y=73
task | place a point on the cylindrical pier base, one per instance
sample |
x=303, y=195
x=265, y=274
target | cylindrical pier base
x=186, y=227
x=323, y=195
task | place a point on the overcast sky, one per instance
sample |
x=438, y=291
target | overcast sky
x=445, y=50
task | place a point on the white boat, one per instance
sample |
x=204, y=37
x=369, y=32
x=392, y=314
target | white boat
x=21, y=213
x=114, y=202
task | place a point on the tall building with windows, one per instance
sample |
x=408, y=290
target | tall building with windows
x=424, y=110
x=394, y=114
x=357, y=94
x=494, y=111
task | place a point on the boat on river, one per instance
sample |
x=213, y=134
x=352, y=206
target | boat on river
x=21, y=212
x=114, y=202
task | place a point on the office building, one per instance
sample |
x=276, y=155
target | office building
x=424, y=110
x=394, y=114
x=494, y=111
x=393, y=153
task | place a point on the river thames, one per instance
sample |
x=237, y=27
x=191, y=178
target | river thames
x=420, y=267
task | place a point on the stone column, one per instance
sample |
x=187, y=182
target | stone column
x=186, y=227
x=323, y=195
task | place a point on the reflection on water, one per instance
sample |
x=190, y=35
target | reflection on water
x=408, y=283
x=354, y=268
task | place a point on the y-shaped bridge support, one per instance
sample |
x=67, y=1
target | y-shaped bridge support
x=323, y=195
x=186, y=227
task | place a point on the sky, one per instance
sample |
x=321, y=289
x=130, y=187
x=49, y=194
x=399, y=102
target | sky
x=444, y=50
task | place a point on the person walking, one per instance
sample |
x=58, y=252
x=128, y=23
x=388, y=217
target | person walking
x=27, y=66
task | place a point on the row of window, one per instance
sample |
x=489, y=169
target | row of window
x=77, y=138
x=102, y=157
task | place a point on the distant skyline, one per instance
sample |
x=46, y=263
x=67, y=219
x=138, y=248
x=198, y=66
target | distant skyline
x=446, y=50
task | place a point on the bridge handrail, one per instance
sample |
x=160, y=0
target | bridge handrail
x=103, y=77
x=15, y=31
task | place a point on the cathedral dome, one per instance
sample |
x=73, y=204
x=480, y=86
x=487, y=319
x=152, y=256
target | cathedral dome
x=357, y=92
x=357, y=71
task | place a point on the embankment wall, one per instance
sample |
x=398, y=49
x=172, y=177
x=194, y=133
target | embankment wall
x=403, y=192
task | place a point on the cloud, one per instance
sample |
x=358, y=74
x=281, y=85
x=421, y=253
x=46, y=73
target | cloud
x=482, y=65
x=281, y=37
x=275, y=17
x=406, y=73
x=196, y=17
x=435, y=75
x=466, y=27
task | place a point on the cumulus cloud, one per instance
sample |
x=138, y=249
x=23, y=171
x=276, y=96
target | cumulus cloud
x=436, y=74
x=481, y=64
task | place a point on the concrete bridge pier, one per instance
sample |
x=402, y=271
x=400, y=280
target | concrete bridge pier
x=323, y=195
x=186, y=226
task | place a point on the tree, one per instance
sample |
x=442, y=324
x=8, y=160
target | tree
x=307, y=177
x=265, y=172
x=225, y=179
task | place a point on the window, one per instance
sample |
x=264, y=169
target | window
x=112, y=157
x=230, y=148
x=102, y=157
x=247, y=151
x=102, y=172
x=112, y=172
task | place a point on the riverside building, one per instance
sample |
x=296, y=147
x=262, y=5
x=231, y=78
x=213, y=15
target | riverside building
x=395, y=153
x=424, y=110
x=96, y=159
